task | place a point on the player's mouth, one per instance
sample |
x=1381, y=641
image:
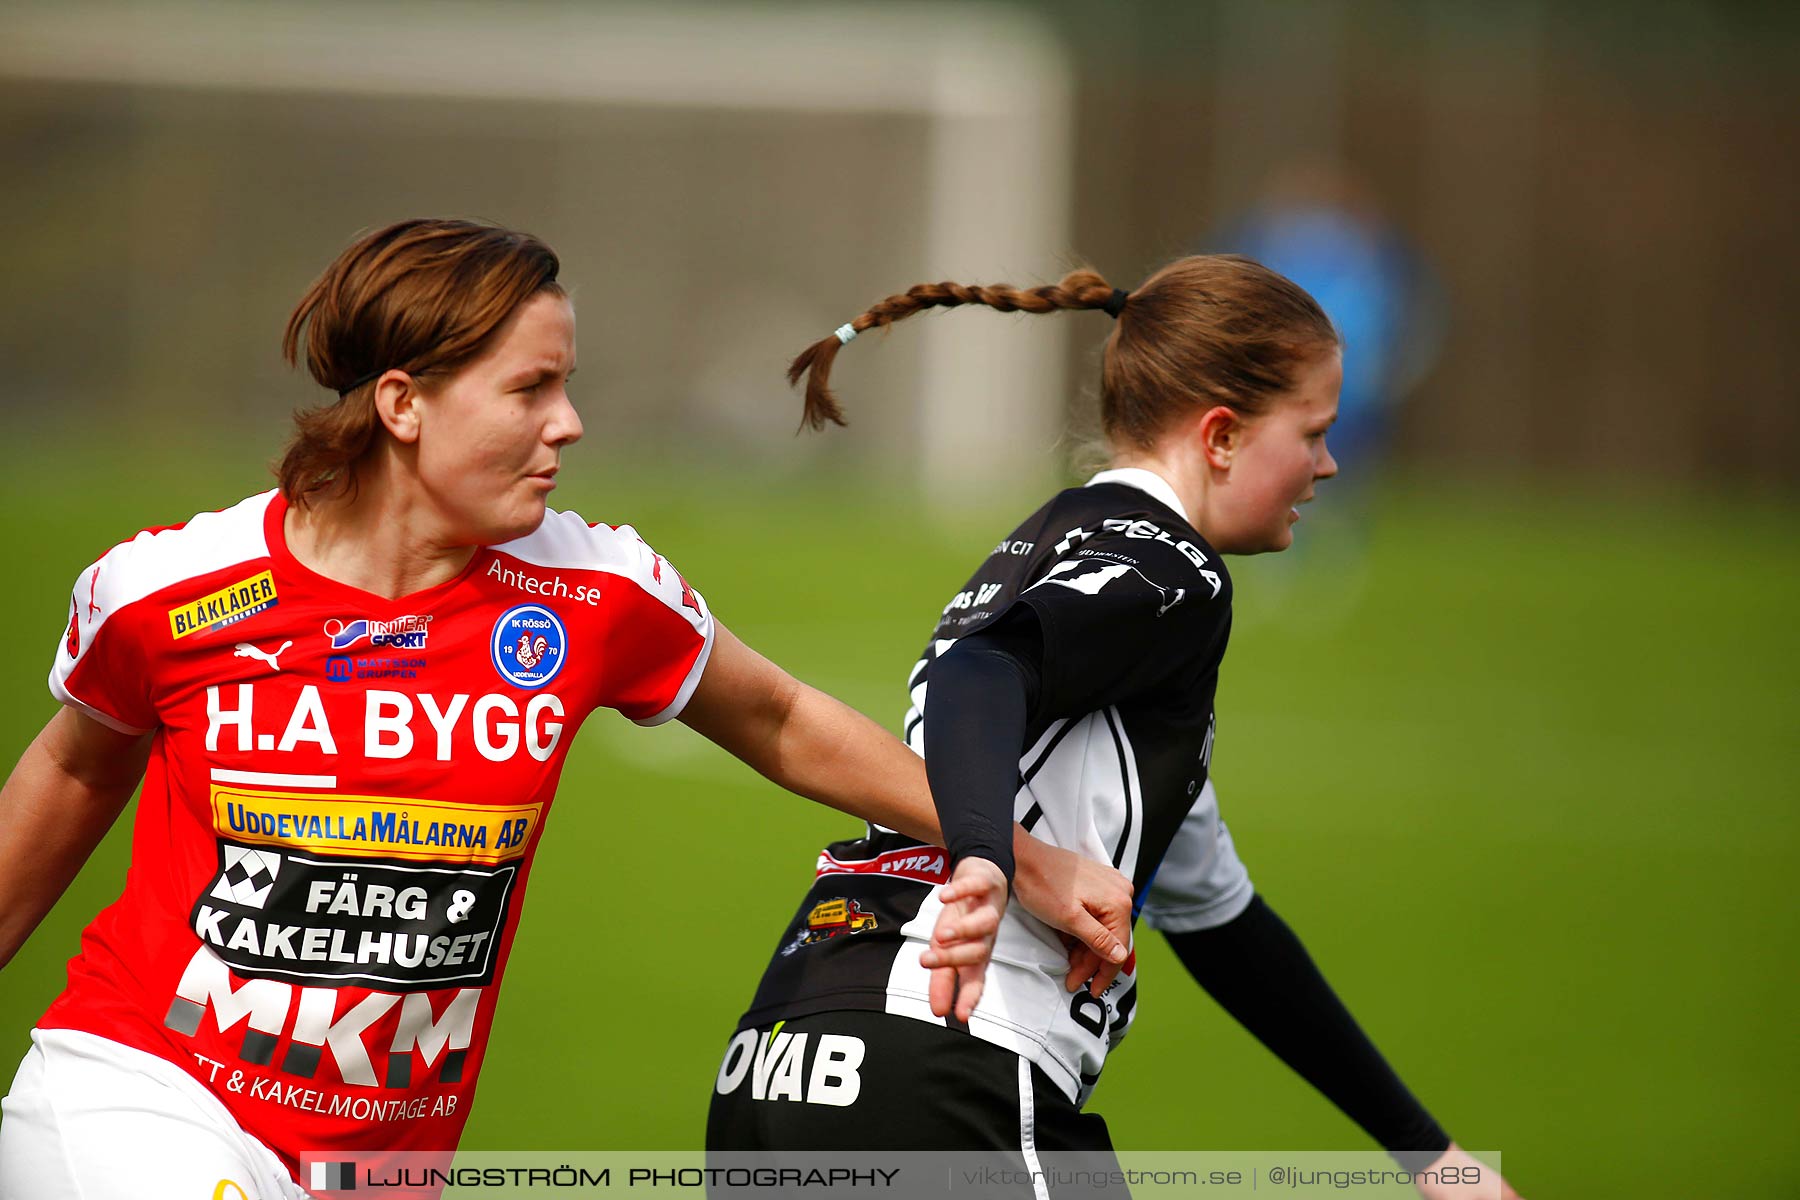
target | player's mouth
x=546, y=477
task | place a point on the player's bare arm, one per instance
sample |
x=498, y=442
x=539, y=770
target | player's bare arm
x=67, y=789
x=818, y=747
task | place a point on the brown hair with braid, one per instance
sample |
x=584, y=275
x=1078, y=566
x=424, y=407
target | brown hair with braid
x=423, y=296
x=1207, y=329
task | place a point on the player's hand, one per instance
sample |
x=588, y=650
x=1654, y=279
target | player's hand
x=1482, y=1181
x=1088, y=900
x=962, y=941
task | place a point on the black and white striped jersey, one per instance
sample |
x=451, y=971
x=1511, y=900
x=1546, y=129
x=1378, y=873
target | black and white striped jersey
x=1135, y=610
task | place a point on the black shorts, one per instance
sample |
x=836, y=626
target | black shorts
x=869, y=1081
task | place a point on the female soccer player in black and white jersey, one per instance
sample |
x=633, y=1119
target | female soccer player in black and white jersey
x=1069, y=686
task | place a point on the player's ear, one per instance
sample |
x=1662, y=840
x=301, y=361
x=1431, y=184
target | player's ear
x=1219, y=432
x=397, y=404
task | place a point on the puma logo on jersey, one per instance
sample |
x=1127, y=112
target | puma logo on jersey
x=776, y=1067
x=688, y=599
x=246, y=650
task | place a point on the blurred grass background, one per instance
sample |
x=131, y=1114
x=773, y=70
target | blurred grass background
x=1517, y=757
x=1524, y=784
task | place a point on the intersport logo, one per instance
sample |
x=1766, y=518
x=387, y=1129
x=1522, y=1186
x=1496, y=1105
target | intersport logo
x=402, y=633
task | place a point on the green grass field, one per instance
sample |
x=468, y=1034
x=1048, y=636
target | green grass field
x=1527, y=791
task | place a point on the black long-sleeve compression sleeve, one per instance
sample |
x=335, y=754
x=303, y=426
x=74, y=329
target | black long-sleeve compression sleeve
x=978, y=700
x=1258, y=971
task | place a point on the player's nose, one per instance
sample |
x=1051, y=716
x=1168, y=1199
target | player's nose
x=564, y=425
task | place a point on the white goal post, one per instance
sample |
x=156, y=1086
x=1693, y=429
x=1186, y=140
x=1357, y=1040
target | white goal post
x=992, y=86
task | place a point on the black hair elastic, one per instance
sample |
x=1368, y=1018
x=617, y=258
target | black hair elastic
x=1115, y=303
x=342, y=392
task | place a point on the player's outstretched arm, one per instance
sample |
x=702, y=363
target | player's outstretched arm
x=820, y=748
x=1260, y=973
x=64, y=794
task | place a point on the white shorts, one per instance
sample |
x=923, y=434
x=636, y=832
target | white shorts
x=90, y=1119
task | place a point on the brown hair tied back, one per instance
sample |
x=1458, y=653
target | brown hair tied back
x=422, y=296
x=1077, y=289
x=1205, y=330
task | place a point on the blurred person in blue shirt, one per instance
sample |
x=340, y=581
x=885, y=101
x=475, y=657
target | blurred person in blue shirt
x=1322, y=227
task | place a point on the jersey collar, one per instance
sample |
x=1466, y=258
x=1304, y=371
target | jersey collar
x=1144, y=481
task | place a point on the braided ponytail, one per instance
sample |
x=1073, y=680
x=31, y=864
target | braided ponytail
x=1077, y=289
x=1204, y=330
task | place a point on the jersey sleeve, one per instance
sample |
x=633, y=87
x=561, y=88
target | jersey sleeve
x=658, y=637
x=1201, y=882
x=1124, y=615
x=101, y=665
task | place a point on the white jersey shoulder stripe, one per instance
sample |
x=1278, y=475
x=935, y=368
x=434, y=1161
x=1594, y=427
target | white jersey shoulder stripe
x=152, y=562
x=565, y=541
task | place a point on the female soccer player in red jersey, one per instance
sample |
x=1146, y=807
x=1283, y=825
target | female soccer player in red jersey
x=349, y=700
x=1069, y=685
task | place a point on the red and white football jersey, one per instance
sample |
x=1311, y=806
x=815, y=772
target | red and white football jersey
x=342, y=803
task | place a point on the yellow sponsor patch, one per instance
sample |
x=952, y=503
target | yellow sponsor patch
x=245, y=598
x=375, y=827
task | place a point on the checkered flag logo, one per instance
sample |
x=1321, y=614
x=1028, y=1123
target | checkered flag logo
x=248, y=876
x=332, y=1177
x=1072, y=539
